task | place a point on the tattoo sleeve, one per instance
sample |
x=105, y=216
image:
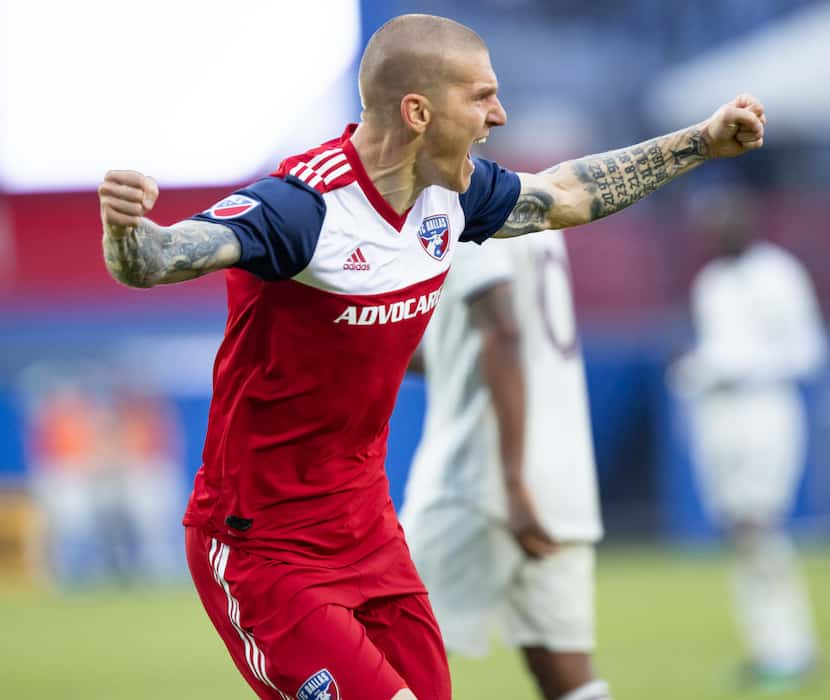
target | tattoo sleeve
x=617, y=179
x=579, y=191
x=153, y=254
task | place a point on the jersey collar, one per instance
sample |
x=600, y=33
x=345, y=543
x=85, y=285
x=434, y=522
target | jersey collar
x=380, y=205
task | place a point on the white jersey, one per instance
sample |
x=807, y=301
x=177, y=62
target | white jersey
x=458, y=457
x=757, y=319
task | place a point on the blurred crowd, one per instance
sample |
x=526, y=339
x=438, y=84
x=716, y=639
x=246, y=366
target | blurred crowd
x=587, y=72
x=104, y=462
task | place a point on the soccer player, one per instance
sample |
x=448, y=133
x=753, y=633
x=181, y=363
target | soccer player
x=759, y=332
x=501, y=509
x=333, y=267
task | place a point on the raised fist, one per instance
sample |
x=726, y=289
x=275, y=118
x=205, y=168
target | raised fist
x=736, y=128
x=125, y=196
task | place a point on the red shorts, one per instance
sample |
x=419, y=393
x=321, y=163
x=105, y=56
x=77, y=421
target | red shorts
x=300, y=632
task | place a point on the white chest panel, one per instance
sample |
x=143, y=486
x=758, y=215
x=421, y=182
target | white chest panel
x=359, y=252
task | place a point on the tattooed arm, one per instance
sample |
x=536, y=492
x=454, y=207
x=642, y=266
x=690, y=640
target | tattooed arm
x=140, y=253
x=151, y=254
x=579, y=191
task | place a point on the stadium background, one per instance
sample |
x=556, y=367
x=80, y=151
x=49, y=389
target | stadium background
x=576, y=78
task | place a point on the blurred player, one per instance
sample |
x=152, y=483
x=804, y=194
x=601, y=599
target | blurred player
x=334, y=266
x=759, y=332
x=501, y=509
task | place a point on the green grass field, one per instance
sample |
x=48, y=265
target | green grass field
x=663, y=624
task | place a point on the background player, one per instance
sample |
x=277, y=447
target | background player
x=501, y=508
x=759, y=332
x=307, y=375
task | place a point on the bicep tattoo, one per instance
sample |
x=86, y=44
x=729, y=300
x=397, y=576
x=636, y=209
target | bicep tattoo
x=530, y=214
x=154, y=254
x=617, y=179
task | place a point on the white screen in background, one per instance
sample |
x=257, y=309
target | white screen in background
x=192, y=92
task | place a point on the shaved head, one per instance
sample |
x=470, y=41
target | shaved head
x=412, y=54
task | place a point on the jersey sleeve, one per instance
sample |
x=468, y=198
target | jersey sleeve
x=277, y=222
x=492, y=194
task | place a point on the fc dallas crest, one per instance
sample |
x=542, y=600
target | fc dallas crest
x=321, y=686
x=434, y=235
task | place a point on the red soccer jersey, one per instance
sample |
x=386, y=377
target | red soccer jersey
x=325, y=308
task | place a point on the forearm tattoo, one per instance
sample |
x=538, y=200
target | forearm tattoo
x=153, y=254
x=617, y=179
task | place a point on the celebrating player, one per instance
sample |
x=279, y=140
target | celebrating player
x=292, y=539
x=501, y=508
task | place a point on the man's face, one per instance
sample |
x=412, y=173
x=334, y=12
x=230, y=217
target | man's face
x=463, y=114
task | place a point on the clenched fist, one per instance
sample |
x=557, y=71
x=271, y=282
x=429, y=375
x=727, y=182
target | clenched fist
x=736, y=128
x=125, y=197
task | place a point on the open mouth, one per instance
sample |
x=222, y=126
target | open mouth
x=476, y=142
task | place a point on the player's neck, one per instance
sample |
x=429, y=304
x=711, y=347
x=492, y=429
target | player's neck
x=389, y=160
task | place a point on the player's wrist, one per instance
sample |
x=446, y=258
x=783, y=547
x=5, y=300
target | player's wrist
x=117, y=233
x=704, y=133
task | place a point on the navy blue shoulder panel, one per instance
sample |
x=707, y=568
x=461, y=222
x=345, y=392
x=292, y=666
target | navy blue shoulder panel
x=492, y=194
x=277, y=222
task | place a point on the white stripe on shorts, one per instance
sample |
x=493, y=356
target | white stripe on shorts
x=218, y=556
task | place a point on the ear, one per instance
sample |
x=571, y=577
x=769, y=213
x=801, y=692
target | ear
x=416, y=112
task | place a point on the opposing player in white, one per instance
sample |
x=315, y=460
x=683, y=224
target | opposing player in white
x=759, y=331
x=501, y=509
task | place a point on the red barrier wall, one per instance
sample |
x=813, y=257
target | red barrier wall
x=639, y=261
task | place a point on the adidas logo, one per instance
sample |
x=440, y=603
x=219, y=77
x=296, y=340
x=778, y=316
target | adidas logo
x=356, y=261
